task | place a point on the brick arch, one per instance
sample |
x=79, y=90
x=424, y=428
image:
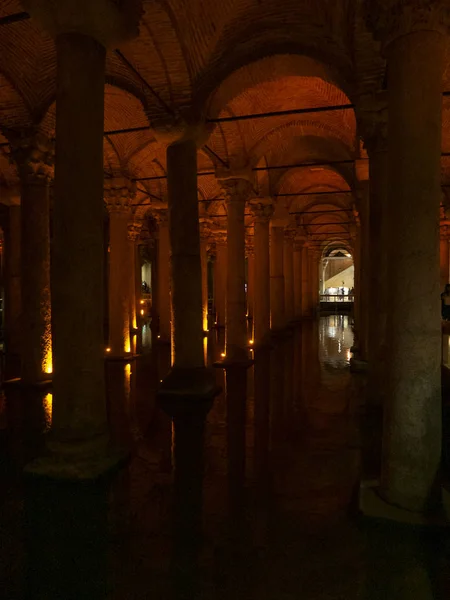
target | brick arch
x=15, y=112
x=265, y=68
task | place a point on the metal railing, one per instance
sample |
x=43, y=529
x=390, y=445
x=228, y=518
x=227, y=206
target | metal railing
x=337, y=298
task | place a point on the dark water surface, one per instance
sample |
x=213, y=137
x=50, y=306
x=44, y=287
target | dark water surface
x=287, y=443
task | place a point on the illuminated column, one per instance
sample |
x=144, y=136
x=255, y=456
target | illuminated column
x=236, y=192
x=306, y=285
x=33, y=154
x=118, y=193
x=12, y=308
x=313, y=280
x=298, y=274
x=288, y=268
x=163, y=276
x=134, y=231
x=262, y=211
x=414, y=44
x=205, y=233
x=356, y=240
x=444, y=257
x=250, y=279
x=220, y=279
x=277, y=320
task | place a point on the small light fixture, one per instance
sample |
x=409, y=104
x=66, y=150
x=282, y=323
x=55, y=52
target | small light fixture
x=251, y=342
x=142, y=302
x=142, y=312
x=223, y=355
x=160, y=381
x=108, y=349
x=159, y=337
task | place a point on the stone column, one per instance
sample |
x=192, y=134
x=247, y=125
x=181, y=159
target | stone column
x=134, y=231
x=118, y=193
x=12, y=307
x=298, y=274
x=357, y=270
x=250, y=280
x=187, y=392
x=444, y=257
x=306, y=285
x=262, y=211
x=164, y=330
x=365, y=277
x=277, y=308
x=33, y=153
x=314, y=280
x=236, y=191
x=415, y=45
x=220, y=279
x=375, y=130
x=205, y=233
x=288, y=268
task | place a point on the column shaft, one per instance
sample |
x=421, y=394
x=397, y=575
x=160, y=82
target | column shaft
x=261, y=319
x=412, y=416
x=79, y=408
x=250, y=284
x=276, y=278
x=444, y=262
x=119, y=283
x=297, y=266
x=12, y=284
x=204, y=264
x=288, y=268
x=220, y=282
x=164, y=280
x=306, y=295
x=365, y=275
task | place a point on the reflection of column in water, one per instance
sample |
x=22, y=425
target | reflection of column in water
x=288, y=396
x=261, y=441
x=236, y=392
x=277, y=394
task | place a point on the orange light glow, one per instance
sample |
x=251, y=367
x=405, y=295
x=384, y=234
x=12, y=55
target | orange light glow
x=48, y=362
x=142, y=301
x=142, y=312
x=48, y=410
x=250, y=342
x=223, y=354
x=108, y=349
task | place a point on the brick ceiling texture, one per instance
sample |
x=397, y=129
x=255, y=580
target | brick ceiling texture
x=211, y=60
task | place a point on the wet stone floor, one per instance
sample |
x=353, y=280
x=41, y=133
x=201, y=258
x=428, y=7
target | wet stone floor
x=286, y=445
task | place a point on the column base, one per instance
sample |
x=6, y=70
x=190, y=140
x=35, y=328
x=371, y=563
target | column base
x=121, y=357
x=358, y=366
x=373, y=506
x=184, y=387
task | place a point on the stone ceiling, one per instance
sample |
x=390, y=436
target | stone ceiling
x=215, y=60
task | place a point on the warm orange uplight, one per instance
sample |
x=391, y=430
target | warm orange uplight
x=250, y=342
x=108, y=349
x=142, y=312
x=48, y=410
x=48, y=362
x=159, y=337
x=223, y=355
x=142, y=301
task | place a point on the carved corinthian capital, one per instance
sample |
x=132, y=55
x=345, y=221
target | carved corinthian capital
x=262, y=209
x=33, y=152
x=118, y=193
x=390, y=19
x=236, y=189
x=372, y=116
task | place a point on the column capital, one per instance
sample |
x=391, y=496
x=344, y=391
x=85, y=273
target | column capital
x=220, y=238
x=161, y=216
x=391, y=19
x=289, y=234
x=33, y=153
x=108, y=21
x=118, y=193
x=444, y=232
x=372, y=116
x=236, y=189
x=262, y=209
x=134, y=230
x=205, y=228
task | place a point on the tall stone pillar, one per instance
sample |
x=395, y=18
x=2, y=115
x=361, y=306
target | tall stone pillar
x=288, y=268
x=118, y=193
x=306, y=284
x=187, y=392
x=414, y=44
x=164, y=330
x=444, y=257
x=134, y=231
x=277, y=304
x=236, y=191
x=205, y=233
x=298, y=274
x=356, y=240
x=33, y=154
x=261, y=310
x=12, y=307
x=250, y=280
x=220, y=279
x=314, y=280
x=374, y=127
x=365, y=277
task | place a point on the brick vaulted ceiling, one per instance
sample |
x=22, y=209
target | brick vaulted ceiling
x=214, y=60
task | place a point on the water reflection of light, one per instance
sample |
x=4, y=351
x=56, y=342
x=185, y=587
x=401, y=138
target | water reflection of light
x=205, y=349
x=47, y=405
x=127, y=382
x=349, y=355
x=48, y=361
